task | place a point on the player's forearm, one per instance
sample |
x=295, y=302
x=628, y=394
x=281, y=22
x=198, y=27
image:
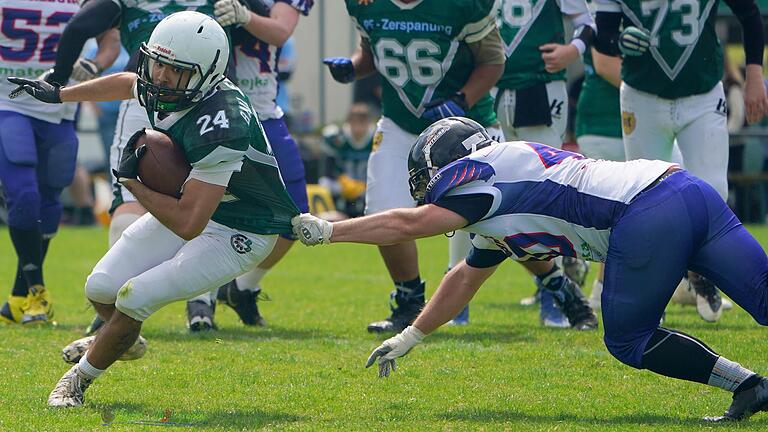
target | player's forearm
x=481, y=81
x=167, y=209
x=275, y=29
x=109, y=48
x=609, y=68
x=456, y=290
x=362, y=60
x=118, y=86
x=386, y=228
x=751, y=21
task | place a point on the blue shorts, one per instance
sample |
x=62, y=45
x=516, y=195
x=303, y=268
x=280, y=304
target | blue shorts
x=680, y=224
x=37, y=160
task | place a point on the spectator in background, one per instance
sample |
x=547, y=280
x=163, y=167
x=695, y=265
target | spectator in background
x=351, y=143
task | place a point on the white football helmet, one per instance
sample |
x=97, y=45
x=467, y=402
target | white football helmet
x=186, y=41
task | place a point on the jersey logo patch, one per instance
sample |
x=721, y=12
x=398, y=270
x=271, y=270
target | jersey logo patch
x=628, y=122
x=240, y=243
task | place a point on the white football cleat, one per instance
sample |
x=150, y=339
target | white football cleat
x=594, y=297
x=70, y=390
x=73, y=352
x=684, y=294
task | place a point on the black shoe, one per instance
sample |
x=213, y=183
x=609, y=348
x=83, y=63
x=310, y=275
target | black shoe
x=200, y=316
x=244, y=303
x=745, y=403
x=573, y=303
x=94, y=326
x=405, y=308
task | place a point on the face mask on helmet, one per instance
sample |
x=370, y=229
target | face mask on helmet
x=440, y=144
x=181, y=63
x=166, y=84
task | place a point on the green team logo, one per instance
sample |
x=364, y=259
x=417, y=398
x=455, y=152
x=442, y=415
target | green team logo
x=414, y=69
x=675, y=27
x=240, y=243
x=515, y=18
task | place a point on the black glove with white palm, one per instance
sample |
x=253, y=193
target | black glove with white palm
x=40, y=88
x=394, y=347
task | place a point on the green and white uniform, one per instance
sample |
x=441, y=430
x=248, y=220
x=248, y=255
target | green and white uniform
x=673, y=92
x=137, y=20
x=225, y=144
x=525, y=25
x=598, y=116
x=421, y=50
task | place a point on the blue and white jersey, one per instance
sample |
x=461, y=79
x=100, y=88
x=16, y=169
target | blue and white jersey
x=257, y=66
x=30, y=35
x=545, y=202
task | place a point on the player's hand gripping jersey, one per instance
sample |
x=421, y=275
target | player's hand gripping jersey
x=222, y=135
x=544, y=202
x=686, y=57
x=257, y=65
x=28, y=42
x=420, y=48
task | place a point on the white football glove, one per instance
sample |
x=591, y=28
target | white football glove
x=312, y=230
x=231, y=12
x=394, y=347
x=85, y=70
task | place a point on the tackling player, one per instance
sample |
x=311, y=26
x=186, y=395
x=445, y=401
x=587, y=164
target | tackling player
x=531, y=98
x=38, y=146
x=233, y=207
x=257, y=39
x=672, y=67
x=526, y=201
x=437, y=59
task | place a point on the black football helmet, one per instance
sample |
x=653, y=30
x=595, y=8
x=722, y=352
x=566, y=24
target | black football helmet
x=443, y=142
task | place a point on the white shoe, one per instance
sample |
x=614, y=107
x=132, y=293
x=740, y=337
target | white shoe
x=73, y=352
x=69, y=391
x=727, y=304
x=594, y=297
x=709, y=304
x=684, y=294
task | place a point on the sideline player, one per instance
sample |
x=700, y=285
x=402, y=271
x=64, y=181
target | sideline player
x=135, y=21
x=531, y=97
x=233, y=207
x=38, y=146
x=526, y=200
x=257, y=39
x=437, y=59
x=672, y=90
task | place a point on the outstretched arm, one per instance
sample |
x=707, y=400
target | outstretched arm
x=398, y=225
x=455, y=291
x=118, y=86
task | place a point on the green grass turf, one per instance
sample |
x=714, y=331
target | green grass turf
x=304, y=372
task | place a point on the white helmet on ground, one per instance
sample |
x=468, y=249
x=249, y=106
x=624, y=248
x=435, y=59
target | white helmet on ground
x=186, y=41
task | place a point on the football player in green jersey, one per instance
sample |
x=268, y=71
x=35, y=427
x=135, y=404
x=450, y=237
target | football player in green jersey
x=135, y=20
x=233, y=207
x=671, y=90
x=531, y=98
x=437, y=59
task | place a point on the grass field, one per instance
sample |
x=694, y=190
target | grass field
x=304, y=372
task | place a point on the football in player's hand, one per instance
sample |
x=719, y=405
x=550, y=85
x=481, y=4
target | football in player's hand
x=163, y=168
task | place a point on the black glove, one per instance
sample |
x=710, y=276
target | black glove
x=129, y=159
x=37, y=88
x=342, y=69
